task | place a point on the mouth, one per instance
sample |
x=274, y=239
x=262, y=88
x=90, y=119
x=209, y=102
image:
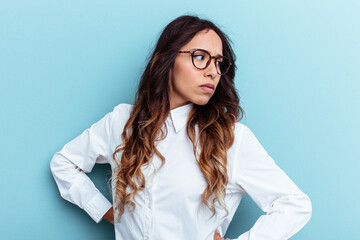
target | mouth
x=208, y=87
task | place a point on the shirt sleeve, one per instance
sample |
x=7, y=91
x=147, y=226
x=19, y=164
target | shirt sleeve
x=287, y=208
x=78, y=157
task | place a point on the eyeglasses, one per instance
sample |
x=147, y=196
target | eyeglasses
x=201, y=59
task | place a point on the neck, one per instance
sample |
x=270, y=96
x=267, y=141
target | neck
x=173, y=106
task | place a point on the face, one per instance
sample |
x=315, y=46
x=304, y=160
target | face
x=186, y=81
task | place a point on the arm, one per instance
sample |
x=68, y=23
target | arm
x=70, y=165
x=287, y=208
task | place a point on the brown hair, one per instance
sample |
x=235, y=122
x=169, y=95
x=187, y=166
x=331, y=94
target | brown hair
x=215, y=120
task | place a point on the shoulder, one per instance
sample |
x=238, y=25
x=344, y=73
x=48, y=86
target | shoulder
x=123, y=107
x=240, y=129
x=120, y=113
x=245, y=137
x=246, y=141
x=122, y=110
x=118, y=118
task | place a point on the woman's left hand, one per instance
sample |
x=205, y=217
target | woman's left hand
x=217, y=236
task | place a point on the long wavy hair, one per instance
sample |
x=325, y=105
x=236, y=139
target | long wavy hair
x=215, y=120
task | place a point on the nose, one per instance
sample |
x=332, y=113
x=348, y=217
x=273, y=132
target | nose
x=211, y=69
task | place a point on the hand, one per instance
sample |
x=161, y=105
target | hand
x=217, y=236
x=109, y=216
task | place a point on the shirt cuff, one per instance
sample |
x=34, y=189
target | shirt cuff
x=97, y=207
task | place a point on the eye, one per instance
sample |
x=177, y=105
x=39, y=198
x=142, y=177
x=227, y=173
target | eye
x=219, y=61
x=199, y=57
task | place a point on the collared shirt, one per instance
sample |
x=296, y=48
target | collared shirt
x=169, y=207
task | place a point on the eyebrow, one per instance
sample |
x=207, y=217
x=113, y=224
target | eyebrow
x=193, y=49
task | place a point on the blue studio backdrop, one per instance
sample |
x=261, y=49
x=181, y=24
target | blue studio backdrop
x=65, y=64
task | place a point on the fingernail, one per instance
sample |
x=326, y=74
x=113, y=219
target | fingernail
x=217, y=231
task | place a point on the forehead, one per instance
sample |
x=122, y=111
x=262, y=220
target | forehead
x=208, y=40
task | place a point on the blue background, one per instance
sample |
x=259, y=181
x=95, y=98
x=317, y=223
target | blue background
x=65, y=64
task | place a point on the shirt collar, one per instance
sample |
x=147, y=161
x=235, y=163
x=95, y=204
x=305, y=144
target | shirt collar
x=179, y=116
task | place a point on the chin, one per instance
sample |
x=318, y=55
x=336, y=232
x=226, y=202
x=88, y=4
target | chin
x=201, y=101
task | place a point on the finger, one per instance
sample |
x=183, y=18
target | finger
x=217, y=235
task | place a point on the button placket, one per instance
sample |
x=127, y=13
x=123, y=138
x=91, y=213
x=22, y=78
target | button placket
x=148, y=202
x=155, y=163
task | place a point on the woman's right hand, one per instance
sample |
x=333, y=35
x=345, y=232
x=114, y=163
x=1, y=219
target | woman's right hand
x=217, y=236
x=109, y=216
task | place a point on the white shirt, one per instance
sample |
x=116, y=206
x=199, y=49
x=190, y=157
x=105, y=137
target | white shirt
x=168, y=208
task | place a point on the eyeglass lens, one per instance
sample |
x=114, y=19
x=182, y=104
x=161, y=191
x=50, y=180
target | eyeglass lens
x=201, y=60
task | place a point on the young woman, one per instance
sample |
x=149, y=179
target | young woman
x=181, y=159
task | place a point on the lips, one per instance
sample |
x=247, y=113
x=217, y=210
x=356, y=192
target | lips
x=208, y=87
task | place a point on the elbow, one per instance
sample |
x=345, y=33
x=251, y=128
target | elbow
x=60, y=163
x=302, y=208
x=298, y=205
x=307, y=208
x=61, y=167
x=64, y=173
x=55, y=166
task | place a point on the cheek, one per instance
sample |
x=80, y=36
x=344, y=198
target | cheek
x=185, y=77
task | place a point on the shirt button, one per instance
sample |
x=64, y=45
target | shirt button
x=148, y=205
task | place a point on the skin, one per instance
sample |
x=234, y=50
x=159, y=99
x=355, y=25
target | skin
x=109, y=216
x=185, y=79
x=185, y=82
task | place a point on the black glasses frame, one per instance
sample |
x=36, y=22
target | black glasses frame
x=209, y=61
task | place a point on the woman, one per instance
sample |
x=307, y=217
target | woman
x=181, y=159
